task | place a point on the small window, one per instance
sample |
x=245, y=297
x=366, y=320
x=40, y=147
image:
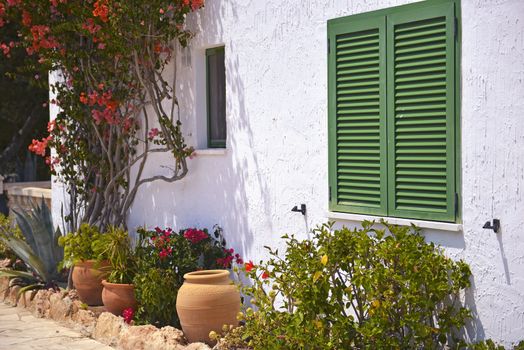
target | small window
x=216, y=98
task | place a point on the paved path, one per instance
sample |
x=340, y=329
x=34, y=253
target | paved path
x=19, y=330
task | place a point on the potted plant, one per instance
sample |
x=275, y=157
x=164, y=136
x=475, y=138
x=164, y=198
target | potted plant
x=118, y=293
x=163, y=257
x=89, y=268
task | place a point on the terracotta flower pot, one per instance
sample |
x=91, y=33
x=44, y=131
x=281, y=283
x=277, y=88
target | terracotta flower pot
x=118, y=297
x=206, y=301
x=87, y=280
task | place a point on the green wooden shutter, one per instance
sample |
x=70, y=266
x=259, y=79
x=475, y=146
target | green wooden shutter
x=421, y=113
x=357, y=110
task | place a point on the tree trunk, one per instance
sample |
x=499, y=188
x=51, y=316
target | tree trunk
x=20, y=138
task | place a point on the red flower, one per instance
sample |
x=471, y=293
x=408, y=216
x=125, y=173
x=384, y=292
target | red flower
x=194, y=236
x=101, y=10
x=51, y=126
x=26, y=18
x=163, y=253
x=128, y=314
x=39, y=147
x=83, y=98
x=195, y=4
x=265, y=275
x=249, y=266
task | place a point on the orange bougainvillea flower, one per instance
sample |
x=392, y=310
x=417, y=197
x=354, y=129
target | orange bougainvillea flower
x=249, y=266
x=101, y=10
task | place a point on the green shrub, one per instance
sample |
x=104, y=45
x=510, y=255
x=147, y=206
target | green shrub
x=356, y=289
x=7, y=226
x=490, y=345
x=78, y=246
x=115, y=246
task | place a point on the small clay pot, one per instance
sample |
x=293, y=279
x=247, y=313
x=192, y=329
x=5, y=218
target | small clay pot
x=87, y=280
x=206, y=301
x=118, y=297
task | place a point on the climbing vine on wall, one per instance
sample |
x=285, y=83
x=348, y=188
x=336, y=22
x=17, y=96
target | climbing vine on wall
x=116, y=105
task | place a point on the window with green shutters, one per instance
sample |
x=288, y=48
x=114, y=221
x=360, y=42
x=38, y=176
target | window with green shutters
x=393, y=112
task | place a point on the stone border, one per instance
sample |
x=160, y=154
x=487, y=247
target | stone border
x=65, y=308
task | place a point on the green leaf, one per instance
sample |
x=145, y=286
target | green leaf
x=24, y=252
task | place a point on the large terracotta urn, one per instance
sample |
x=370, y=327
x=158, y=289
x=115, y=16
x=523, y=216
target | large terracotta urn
x=118, y=297
x=87, y=280
x=206, y=301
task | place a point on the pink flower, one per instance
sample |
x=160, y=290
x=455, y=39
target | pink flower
x=128, y=315
x=153, y=133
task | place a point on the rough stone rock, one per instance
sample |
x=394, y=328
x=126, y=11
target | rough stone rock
x=108, y=328
x=60, y=308
x=13, y=295
x=135, y=337
x=97, y=310
x=4, y=288
x=41, y=303
x=73, y=294
x=78, y=305
x=27, y=299
x=166, y=338
x=84, y=321
x=197, y=346
x=5, y=263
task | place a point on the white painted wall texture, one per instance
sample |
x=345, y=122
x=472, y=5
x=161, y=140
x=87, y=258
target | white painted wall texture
x=276, y=157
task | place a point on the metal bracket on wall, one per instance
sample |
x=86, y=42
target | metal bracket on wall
x=301, y=210
x=495, y=227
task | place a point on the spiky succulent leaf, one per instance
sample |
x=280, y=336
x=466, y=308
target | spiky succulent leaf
x=24, y=252
x=16, y=273
x=37, y=227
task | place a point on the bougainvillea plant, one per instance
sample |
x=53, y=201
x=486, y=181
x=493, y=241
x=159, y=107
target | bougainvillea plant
x=117, y=105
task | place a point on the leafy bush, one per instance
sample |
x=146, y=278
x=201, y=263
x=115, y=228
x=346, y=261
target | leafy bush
x=78, y=246
x=163, y=257
x=356, y=289
x=7, y=225
x=490, y=345
x=115, y=246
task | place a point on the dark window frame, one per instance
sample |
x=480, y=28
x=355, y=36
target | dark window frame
x=214, y=143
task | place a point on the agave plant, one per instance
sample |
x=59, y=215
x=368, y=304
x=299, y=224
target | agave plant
x=37, y=227
x=39, y=249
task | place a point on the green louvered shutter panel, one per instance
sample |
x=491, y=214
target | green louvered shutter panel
x=357, y=124
x=421, y=113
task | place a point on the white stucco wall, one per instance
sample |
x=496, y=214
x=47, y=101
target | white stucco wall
x=276, y=157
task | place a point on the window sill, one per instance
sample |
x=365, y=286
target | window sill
x=435, y=225
x=211, y=152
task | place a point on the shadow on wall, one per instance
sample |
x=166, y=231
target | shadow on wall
x=474, y=328
x=215, y=191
